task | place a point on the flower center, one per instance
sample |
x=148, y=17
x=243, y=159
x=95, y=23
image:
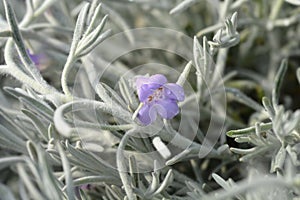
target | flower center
x=157, y=94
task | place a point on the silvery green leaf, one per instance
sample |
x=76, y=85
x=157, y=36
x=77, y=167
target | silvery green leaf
x=30, y=67
x=22, y=191
x=56, y=13
x=28, y=183
x=9, y=161
x=230, y=28
x=17, y=70
x=60, y=123
x=292, y=138
x=294, y=2
x=293, y=123
x=38, y=124
x=278, y=82
x=206, y=58
x=95, y=179
x=133, y=170
x=243, y=151
x=67, y=172
x=217, y=36
x=194, y=187
x=185, y=73
x=181, y=141
x=182, y=6
x=278, y=122
x=110, y=193
x=223, y=149
x=221, y=181
x=79, y=28
x=122, y=168
x=6, y=193
x=84, y=195
x=161, y=147
x=298, y=75
x=10, y=123
x=117, y=190
x=242, y=98
x=268, y=106
x=258, y=133
x=242, y=139
x=96, y=42
x=182, y=155
x=31, y=151
x=64, y=127
x=39, y=106
x=259, y=151
x=167, y=180
x=249, y=131
x=154, y=184
x=115, y=95
x=93, y=11
x=29, y=7
x=198, y=53
x=226, y=42
x=127, y=92
x=101, y=91
x=88, y=160
x=11, y=141
x=8, y=145
x=293, y=155
x=119, y=21
x=44, y=116
x=49, y=184
x=233, y=20
x=89, y=39
x=278, y=160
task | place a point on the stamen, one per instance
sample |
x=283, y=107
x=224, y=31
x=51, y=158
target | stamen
x=157, y=94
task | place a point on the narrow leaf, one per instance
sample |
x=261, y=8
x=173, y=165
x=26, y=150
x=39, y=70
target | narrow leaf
x=278, y=82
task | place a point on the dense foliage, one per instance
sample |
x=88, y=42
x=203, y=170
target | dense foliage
x=72, y=125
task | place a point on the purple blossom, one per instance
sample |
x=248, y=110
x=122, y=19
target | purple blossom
x=85, y=187
x=35, y=58
x=38, y=59
x=158, y=97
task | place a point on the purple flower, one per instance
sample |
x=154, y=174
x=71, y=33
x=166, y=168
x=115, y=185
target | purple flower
x=158, y=97
x=84, y=187
x=38, y=59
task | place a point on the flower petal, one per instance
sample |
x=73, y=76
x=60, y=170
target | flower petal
x=146, y=90
x=141, y=80
x=35, y=59
x=147, y=85
x=174, y=91
x=167, y=108
x=158, y=79
x=147, y=114
x=155, y=79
